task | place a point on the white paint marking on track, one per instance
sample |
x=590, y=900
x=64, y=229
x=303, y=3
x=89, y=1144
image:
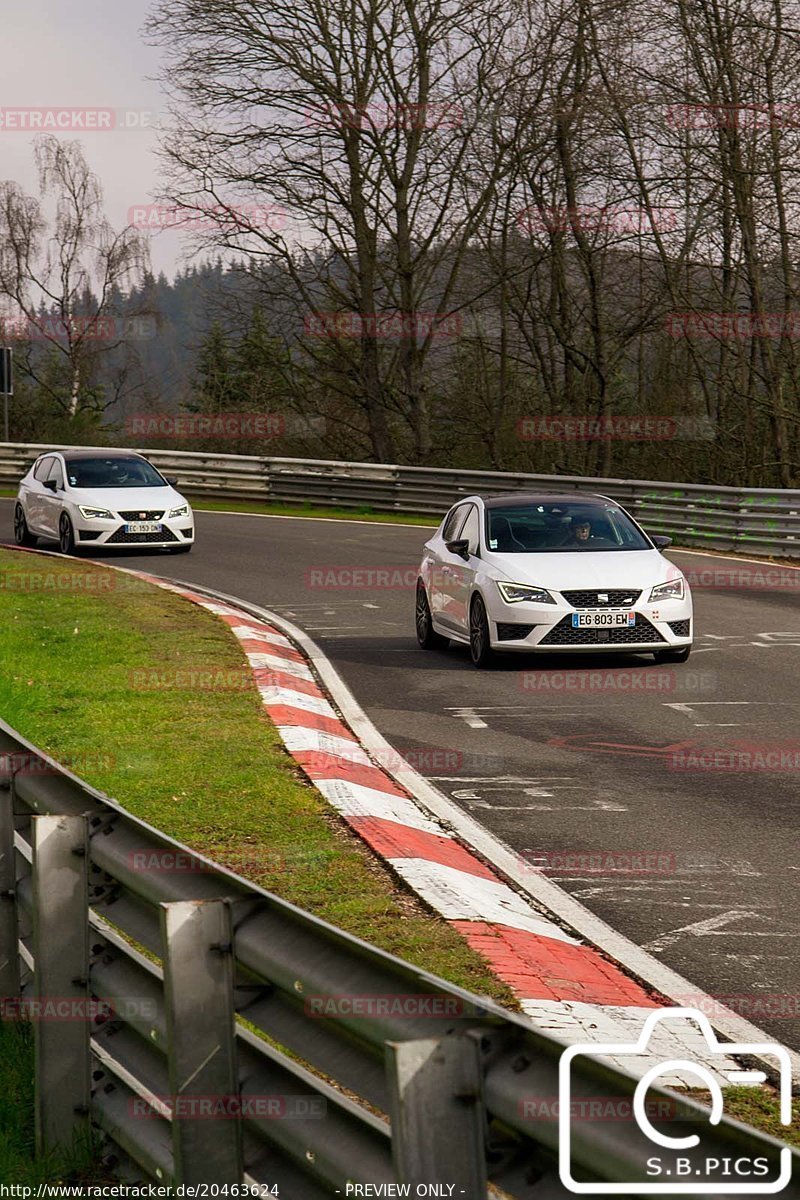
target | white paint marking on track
x=287, y=665
x=356, y=800
x=460, y=896
x=573, y=1021
x=704, y=928
x=300, y=737
x=254, y=632
x=284, y=695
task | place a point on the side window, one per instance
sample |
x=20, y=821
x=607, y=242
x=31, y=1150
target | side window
x=471, y=530
x=56, y=473
x=43, y=468
x=453, y=523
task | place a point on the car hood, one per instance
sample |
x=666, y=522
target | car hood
x=586, y=569
x=128, y=499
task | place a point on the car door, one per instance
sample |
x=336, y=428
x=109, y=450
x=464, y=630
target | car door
x=441, y=562
x=52, y=501
x=459, y=572
x=34, y=502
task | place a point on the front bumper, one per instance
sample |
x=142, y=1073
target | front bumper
x=547, y=628
x=178, y=531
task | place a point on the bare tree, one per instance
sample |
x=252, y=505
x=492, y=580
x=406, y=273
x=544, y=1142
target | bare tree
x=373, y=126
x=62, y=275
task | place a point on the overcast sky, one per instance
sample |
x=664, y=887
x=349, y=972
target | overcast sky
x=87, y=54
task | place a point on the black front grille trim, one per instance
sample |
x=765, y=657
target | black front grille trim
x=564, y=635
x=681, y=628
x=153, y=514
x=89, y=535
x=588, y=598
x=121, y=538
x=507, y=631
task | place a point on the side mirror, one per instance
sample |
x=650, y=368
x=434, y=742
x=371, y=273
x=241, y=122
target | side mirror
x=459, y=547
x=661, y=542
x=51, y=485
x=172, y=480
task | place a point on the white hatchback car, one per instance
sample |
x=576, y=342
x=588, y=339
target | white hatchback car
x=103, y=498
x=551, y=572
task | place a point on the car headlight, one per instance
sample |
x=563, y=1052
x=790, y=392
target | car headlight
x=95, y=514
x=513, y=593
x=181, y=511
x=673, y=590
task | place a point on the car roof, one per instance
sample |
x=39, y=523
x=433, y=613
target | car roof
x=588, y=499
x=98, y=452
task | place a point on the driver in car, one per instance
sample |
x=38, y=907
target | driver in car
x=580, y=532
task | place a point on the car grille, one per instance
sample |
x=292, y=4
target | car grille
x=121, y=538
x=681, y=628
x=89, y=535
x=614, y=598
x=155, y=514
x=564, y=635
x=507, y=631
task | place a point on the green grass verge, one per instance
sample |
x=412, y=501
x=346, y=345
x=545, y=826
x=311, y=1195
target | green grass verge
x=89, y=676
x=205, y=766
x=364, y=513
x=18, y=1164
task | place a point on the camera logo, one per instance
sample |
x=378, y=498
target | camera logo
x=680, y=1164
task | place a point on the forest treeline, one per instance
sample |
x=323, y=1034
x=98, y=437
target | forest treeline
x=549, y=236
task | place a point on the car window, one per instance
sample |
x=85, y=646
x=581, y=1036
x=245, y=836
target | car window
x=454, y=522
x=56, y=473
x=561, y=526
x=471, y=530
x=120, y=471
x=42, y=468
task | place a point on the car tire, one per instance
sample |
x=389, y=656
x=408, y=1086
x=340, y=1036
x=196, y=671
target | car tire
x=22, y=535
x=479, y=639
x=673, y=656
x=427, y=636
x=66, y=535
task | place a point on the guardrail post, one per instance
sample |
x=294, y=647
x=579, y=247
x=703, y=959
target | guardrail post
x=9, y=934
x=437, y=1113
x=201, y=1046
x=62, y=1020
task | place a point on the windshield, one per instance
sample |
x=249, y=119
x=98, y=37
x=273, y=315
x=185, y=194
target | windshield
x=554, y=528
x=118, y=472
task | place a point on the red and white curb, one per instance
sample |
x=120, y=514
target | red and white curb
x=567, y=988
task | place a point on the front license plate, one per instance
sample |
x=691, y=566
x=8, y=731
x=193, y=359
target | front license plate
x=602, y=619
x=143, y=527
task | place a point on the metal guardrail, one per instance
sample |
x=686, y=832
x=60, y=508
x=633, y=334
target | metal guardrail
x=209, y=992
x=719, y=518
